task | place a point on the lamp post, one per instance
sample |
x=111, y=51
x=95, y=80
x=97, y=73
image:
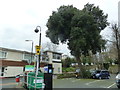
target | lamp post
x=36, y=31
x=31, y=48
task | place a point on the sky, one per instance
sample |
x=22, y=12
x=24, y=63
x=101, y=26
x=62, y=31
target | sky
x=19, y=18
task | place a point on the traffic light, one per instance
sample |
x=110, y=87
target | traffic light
x=37, y=49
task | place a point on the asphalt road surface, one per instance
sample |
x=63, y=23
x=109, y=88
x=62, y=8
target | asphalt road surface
x=69, y=83
x=85, y=83
x=8, y=83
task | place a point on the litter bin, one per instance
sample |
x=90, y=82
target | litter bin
x=35, y=82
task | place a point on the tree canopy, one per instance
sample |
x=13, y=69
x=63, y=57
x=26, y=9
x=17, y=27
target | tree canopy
x=79, y=28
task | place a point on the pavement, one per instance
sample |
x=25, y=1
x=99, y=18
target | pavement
x=10, y=83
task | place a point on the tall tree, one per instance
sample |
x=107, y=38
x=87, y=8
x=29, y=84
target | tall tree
x=79, y=28
x=116, y=40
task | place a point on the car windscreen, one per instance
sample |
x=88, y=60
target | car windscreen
x=97, y=71
x=106, y=72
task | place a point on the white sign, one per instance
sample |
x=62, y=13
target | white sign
x=38, y=81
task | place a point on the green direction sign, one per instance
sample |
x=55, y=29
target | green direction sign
x=29, y=67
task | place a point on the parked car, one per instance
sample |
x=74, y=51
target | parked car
x=100, y=74
x=118, y=80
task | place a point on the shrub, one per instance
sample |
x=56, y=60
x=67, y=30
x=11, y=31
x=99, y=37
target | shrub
x=66, y=75
x=70, y=69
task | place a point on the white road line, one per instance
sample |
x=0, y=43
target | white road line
x=111, y=85
x=92, y=82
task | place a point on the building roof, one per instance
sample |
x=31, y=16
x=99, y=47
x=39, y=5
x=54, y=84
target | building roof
x=53, y=52
x=15, y=50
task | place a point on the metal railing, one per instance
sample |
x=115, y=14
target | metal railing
x=24, y=80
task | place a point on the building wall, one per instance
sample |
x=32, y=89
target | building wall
x=14, y=56
x=57, y=65
x=50, y=56
x=11, y=71
x=57, y=68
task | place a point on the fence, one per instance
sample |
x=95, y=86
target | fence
x=30, y=82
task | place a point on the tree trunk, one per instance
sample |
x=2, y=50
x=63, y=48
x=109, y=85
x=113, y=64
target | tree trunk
x=80, y=66
x=117, y=37
x=118, y=60
x=118, y=50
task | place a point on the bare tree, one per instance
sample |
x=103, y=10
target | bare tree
x=50, y=46
x=116, y=40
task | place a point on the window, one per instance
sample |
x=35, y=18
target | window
x=56, y=56
x=45, y=58
x=3, y=54
x=59, y=70
x=28, y=57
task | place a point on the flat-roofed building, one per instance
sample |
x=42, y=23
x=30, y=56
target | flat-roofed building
x=13, y=62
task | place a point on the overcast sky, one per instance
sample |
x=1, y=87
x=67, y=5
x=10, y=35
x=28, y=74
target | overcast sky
x=19, y=18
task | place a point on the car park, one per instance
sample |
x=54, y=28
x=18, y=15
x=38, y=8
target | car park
x=118, y=80
x=100, y=74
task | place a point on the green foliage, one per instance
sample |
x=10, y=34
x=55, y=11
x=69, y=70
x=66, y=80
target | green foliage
x=70, y=69
x=106, y=65
x=79, y=28
x=66, y=75
x=87, y=59
x=67, y=62
x=87, y=74
x=59, y=24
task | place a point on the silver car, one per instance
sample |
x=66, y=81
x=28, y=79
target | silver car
x=118, y=80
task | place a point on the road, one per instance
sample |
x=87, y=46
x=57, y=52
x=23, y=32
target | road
x=85, y=83
x=8, y=83
x=70, y=83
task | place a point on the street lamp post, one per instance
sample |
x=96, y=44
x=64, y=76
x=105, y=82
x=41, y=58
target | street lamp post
x=37, y=30
x=31, y=48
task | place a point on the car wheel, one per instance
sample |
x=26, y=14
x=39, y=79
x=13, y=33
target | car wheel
x=100, y=78
x=93, y=77
x=108, y=77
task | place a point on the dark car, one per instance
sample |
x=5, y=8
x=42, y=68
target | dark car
x=100, y=74
x=118, y=80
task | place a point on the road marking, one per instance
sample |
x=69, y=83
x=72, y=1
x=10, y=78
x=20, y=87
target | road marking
x=76, y=80
x=92, y=82
x=111, y=85
x=7, y=84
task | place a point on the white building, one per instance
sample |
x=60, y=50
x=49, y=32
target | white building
x=12, y=62
x=54, y=58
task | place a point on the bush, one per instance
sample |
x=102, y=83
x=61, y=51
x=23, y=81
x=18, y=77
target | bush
x=86, y=74
x=70, y=69
x=66, y=75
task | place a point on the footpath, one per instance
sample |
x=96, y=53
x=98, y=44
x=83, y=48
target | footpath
x=9, y=83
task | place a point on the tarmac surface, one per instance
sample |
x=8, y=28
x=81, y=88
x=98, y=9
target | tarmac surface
x=65, y=83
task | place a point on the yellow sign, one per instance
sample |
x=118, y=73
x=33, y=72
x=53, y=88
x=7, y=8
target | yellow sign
x=37, y=49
